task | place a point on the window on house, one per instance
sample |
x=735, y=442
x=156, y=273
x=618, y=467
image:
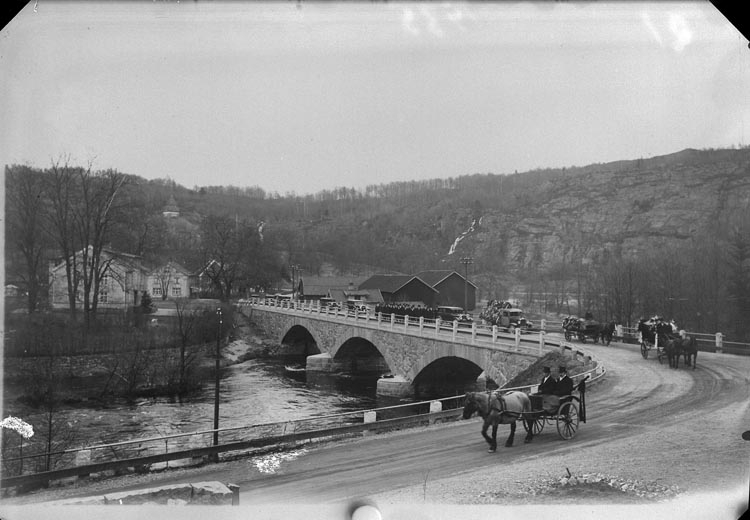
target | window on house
x=176, y=291
x=156, y=291
x=103, y=296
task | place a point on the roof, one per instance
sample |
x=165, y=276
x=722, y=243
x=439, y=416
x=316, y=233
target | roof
x=321, y=285
x=390, y=283
x=174, y=265
x=433, y=278
x=125, y=259
x=372, y=295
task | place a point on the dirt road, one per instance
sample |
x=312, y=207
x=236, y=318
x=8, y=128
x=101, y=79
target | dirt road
x=675, y=428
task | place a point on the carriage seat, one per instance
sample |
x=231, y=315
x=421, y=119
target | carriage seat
x=547, y=402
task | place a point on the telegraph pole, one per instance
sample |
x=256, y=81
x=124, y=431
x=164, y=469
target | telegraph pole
x=293, y=268
x=466, y=261
x=216, y=384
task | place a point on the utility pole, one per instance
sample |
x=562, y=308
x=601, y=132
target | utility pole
x=466, y=261
x=216, y=385
x=293, y=268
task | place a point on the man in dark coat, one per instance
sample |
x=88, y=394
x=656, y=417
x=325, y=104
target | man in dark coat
x=564, y=384
x=548, y=384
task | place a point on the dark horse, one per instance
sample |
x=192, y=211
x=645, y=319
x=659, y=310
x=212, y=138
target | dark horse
x=497, y=409
x=690, y=350
x=607, y=333
x=686, y=346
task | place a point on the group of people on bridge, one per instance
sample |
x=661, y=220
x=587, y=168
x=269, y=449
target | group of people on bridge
x=413, y=311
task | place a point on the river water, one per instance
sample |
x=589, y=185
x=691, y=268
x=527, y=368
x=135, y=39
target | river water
x=256, y=391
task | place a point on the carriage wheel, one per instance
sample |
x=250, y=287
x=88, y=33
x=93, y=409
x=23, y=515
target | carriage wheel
x=567, y=420
x=537, y=425
x=567, y=336
x=582, y=337
x=644, y=350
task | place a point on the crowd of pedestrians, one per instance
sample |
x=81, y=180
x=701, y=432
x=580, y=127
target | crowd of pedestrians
x=413, y=311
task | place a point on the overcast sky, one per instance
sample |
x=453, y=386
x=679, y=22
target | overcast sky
x=309, y=96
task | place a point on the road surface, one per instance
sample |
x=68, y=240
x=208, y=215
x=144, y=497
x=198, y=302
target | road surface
x=645, y=421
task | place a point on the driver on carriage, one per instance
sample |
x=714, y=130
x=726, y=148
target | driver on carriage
x=545, y=391
x=564, y=384
x=548, y=384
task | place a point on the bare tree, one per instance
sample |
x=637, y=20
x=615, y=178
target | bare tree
x=25, y=229
x=165, y=276
x=63, y=197
x=228, y=248
x=187, y=321
x=83, y=209
x=93, y=219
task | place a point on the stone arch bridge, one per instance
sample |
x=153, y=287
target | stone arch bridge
x=407, y=354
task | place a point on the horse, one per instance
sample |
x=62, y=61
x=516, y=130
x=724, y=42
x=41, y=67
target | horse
x=690, y=350
x=684, y=345
x=607, y=333
x=498, y=409
x=673, y=349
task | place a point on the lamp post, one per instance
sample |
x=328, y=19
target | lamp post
x=216, y=384
x=466, y=261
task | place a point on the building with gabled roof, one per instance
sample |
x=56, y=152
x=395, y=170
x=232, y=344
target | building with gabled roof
x=401, y=288
x=170, y=280
x=123, y=280
x=454, y=289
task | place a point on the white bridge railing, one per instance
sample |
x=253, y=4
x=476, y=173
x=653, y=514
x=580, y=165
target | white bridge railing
x=474, y=334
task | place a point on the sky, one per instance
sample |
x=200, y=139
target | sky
x=299, y=97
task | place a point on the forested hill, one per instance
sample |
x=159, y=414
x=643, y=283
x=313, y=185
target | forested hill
x=526, y=220
x=538, y=228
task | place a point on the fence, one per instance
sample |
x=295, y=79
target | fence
x=707, y=342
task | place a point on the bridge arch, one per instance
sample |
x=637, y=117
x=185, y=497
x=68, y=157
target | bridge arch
x=299, y=340
x=359, y=355
x=448, y=375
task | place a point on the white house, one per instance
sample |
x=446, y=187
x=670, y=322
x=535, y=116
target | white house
x=170, y=280
x=122, y=284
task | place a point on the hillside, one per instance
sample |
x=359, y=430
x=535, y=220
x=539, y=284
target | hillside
x=625, y=208
x=624, y=238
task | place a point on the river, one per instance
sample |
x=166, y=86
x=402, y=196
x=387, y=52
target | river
x=252, y=392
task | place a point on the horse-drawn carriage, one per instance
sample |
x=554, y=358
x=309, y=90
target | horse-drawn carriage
x=575, y=327
x=658, y=334
x=655, y=332
x=534, y=411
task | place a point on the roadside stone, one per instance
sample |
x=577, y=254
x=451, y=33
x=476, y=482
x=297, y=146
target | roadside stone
x=158, y=495
x=211, y=493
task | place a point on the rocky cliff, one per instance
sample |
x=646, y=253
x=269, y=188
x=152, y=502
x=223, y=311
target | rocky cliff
x=623, y=208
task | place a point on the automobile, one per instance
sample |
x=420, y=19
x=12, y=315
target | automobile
x=512, y=319
x=448, y=313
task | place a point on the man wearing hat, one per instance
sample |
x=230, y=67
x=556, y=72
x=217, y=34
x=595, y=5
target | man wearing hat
x=548, y=384
x=564, y=384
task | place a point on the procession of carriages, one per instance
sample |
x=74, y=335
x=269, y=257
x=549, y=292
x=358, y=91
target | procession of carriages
x=588, y=328
x=654, y=334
